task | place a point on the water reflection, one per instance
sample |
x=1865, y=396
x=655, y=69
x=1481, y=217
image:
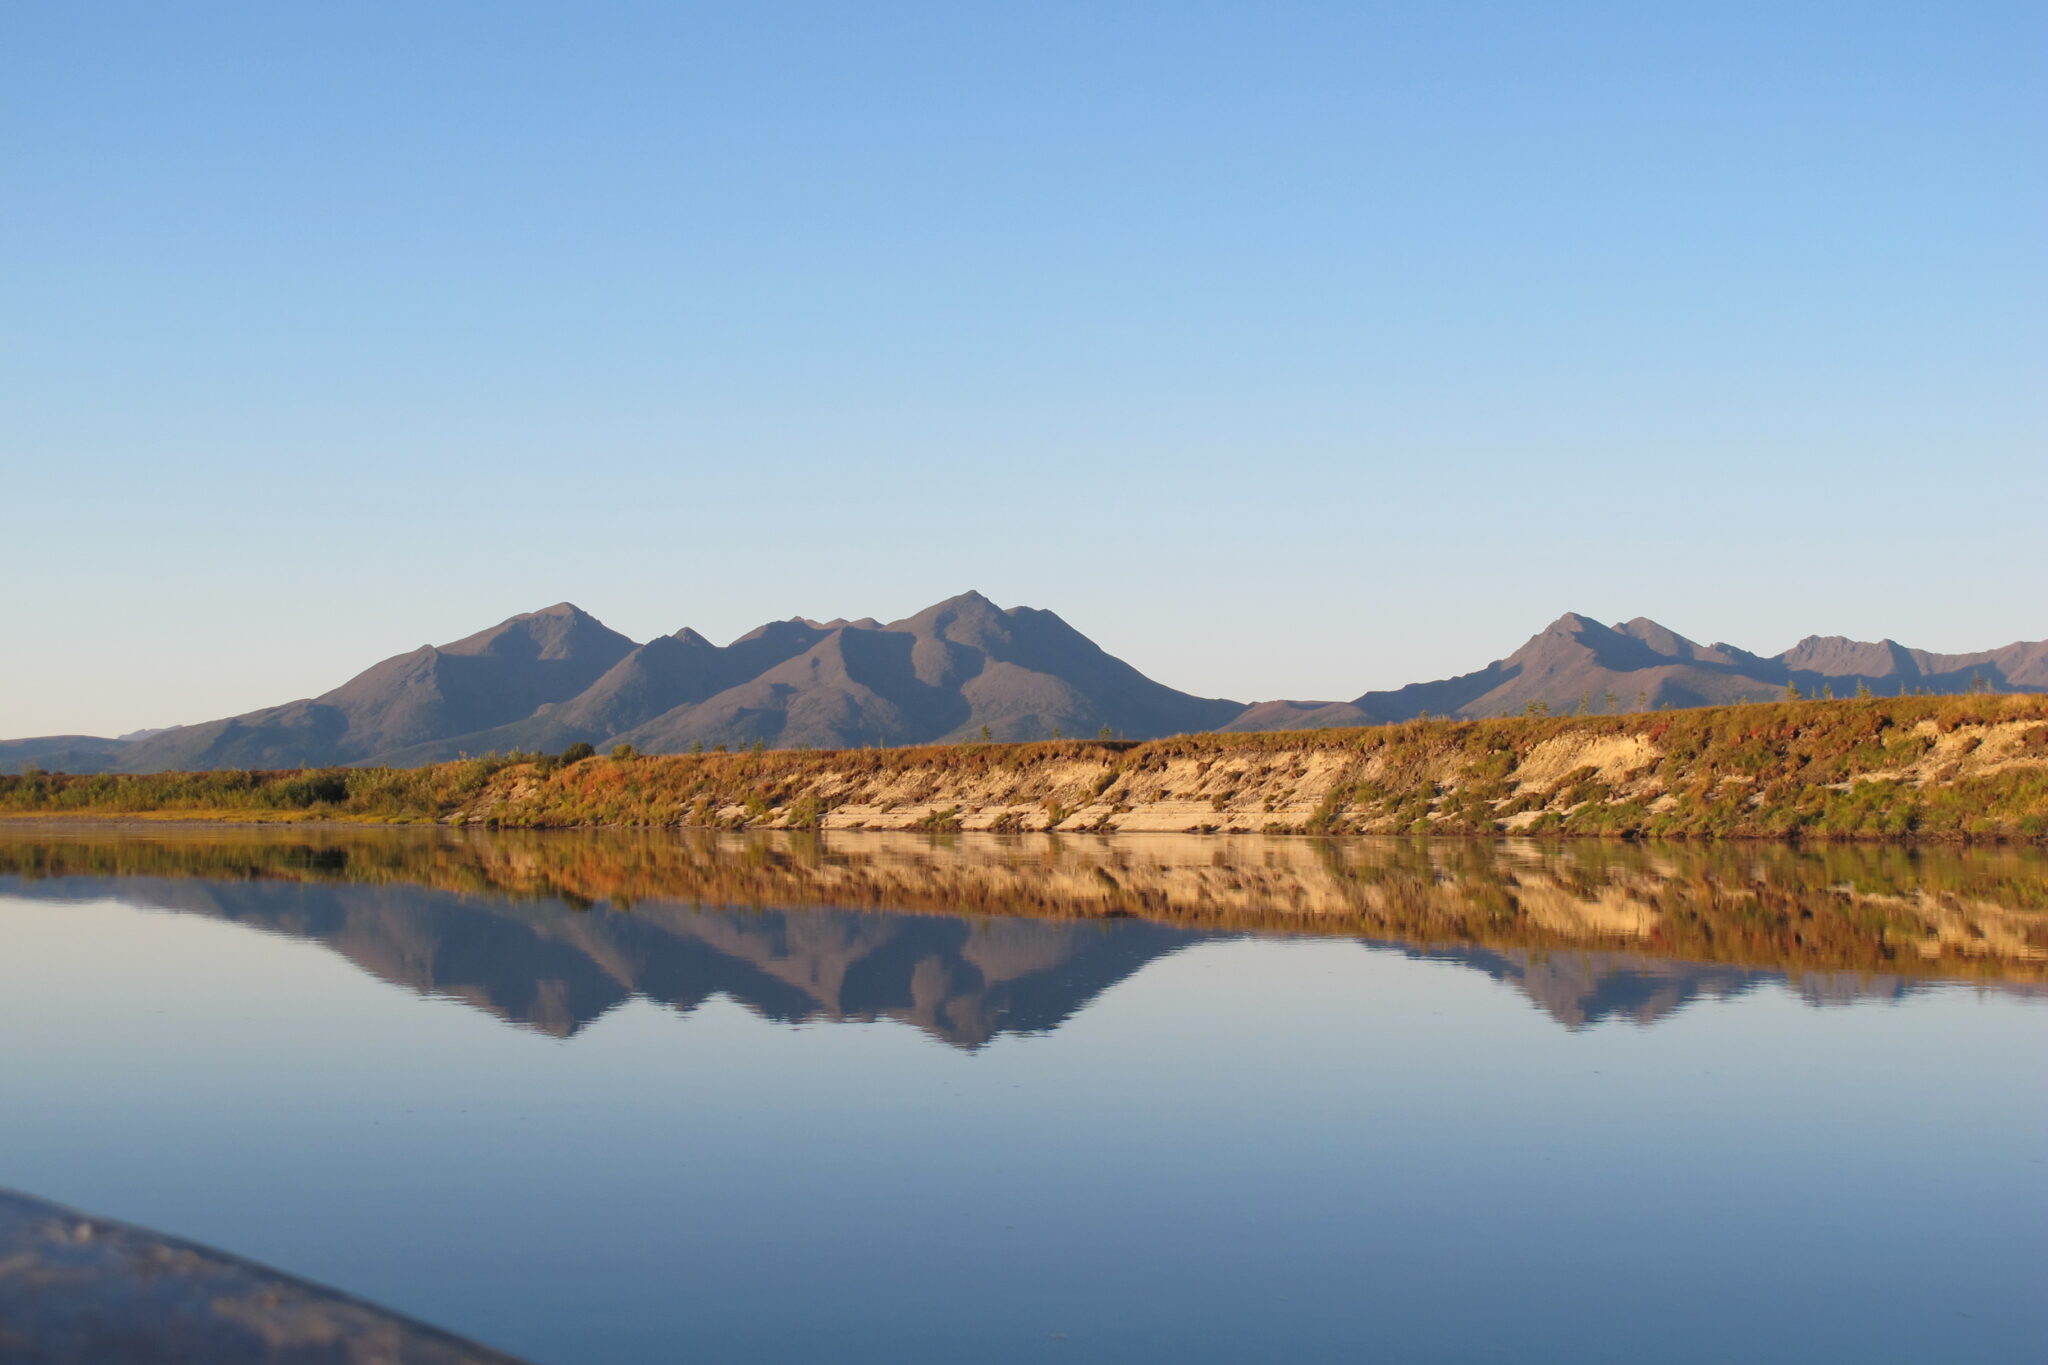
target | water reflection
x=1338, y=1137
x=971, y=937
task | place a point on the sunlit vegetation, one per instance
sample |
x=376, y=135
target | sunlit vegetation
x=1968, y=767
x=398, y=795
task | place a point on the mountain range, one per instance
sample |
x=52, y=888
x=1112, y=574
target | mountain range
x=546, y=679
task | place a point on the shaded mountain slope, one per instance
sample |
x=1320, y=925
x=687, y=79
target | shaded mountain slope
x=544, y=680
x=1635, y=666
x=547, y=679
x=941, y=674
x=2018, y=667
x=62, y=754
x=665, y=673
x=1640, y=665
x=484, y=680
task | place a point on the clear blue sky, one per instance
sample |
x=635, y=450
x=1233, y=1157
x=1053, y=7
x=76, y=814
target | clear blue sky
x=1286, y=349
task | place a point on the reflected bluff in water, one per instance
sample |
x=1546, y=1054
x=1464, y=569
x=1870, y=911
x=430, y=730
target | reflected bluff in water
x=967, y=937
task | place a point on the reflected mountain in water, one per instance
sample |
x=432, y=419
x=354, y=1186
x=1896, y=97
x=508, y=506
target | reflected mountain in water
x=1579, y=988
x=556, y=969
x=968, y=939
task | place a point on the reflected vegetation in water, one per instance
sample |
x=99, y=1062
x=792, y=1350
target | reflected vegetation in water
x=1204, y=1100
x=970, y=937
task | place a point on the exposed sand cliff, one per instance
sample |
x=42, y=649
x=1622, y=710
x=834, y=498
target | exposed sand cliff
x=1848, y=769
x=1897, y=768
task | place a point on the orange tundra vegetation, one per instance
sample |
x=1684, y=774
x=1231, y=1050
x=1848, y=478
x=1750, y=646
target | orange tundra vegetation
x=1969, y=767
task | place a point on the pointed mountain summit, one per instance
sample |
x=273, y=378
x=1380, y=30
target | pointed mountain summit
x=1661, y=639
x=667, y=673
x=488, y=679
x=1577, y=663
x=561, y=632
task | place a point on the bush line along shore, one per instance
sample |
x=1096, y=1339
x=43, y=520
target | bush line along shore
x=1971, y=767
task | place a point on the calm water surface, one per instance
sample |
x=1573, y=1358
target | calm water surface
x=881, y=1099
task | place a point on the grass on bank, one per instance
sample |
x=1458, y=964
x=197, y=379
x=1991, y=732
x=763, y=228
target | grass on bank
x=1828, y=769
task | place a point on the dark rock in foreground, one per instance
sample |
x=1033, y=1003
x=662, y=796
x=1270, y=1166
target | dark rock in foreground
x=79, y=1290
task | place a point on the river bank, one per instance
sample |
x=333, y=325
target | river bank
x=1864, y=769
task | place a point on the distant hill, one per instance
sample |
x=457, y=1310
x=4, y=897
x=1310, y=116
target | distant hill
x=1639, y=665
x=488, y=679
x=62, y=754
x=550, y=678
x=547, y=679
